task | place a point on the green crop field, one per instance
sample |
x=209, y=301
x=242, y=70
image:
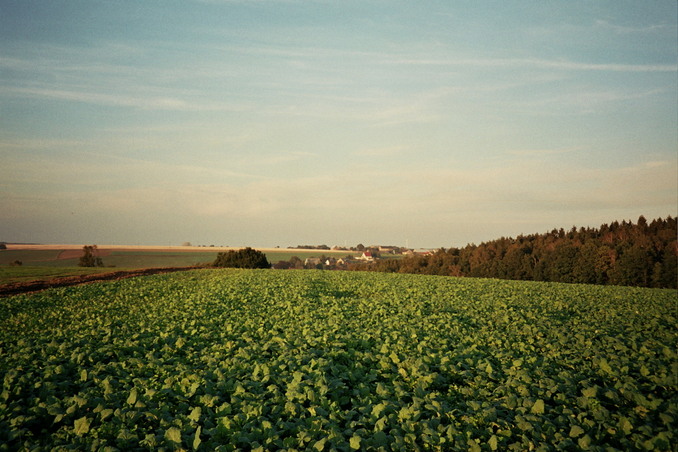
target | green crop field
x=33, y=273
x=312, y=360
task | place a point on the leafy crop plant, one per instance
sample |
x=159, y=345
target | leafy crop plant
x=309, y=360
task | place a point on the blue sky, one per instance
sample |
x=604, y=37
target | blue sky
x=283, y=122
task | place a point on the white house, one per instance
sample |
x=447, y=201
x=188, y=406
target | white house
x=367, y=257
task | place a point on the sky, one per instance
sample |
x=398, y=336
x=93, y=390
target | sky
x=284, y=122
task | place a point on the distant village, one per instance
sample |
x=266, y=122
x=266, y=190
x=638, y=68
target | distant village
x=367, y=254
x=357, y=256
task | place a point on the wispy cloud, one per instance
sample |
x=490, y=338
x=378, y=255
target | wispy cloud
x=385, y=151
x=435, y=57
x=124, y=100
x=543, y=152
x=625, y=29
x=87, y=168
x=608, y=67
x=562, y=64
x=584, y=99
x=253, y=161
x=32, y=144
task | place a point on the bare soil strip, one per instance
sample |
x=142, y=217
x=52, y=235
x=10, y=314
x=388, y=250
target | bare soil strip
x=35, y=286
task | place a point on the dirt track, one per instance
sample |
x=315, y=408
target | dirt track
x=34, y=286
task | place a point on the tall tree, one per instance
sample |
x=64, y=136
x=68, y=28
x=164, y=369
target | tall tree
x=245, y=258
x=90, y=257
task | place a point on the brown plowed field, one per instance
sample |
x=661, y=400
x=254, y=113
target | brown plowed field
x=76, y=254
x=34, y=286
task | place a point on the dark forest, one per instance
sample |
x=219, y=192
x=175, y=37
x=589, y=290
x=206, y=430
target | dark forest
x=641, y=254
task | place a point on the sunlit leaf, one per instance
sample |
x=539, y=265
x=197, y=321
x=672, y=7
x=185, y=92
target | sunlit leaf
x=173, y=435
x=538, y=407
x=493, y=442
x=132, y=398
x=195, y=414
x=81, y=426
x=320, y=445
x=576, y=431
x=196, y=438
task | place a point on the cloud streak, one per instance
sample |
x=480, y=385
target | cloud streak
x=621, y=29
x=525, y=63
x=118, y=100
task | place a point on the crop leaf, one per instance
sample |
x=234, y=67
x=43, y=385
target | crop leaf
x=196, y=438
x=132, y=399
x=108, y=388
x=82, y=426
x=377, y=409
x=355, y=442
x=576, y=431
x=105, y=413
x=380, y=439
x=538, y=407
x=604, y=366
x=173, y=435
x=320, y=445
x=493, y=442
x=394, y=357
x=584, y=442
x=590, y=392
x=149, y=441
x=473, y=446
x=625, y=425
x=195, y=414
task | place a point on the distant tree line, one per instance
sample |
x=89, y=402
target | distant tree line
x=642, y=254
x=309, y=247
